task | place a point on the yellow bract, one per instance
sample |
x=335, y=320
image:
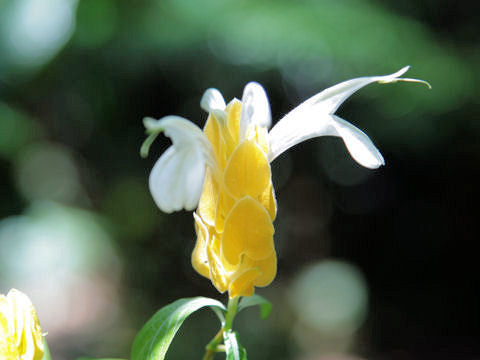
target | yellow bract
x=20, y=332
x=234, y=218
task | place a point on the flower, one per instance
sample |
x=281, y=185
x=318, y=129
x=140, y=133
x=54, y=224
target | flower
x=20, y=333
x=224, y=172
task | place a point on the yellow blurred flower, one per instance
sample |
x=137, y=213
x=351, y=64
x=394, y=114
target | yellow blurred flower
x=20, y=333
x=224, y=172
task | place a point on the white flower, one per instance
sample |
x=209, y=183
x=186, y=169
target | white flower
x=176, y=180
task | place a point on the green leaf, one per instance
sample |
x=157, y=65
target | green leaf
x=219, y=313
x=265, y=305
x=233, y=349
x=152, y=342
x=46, y=350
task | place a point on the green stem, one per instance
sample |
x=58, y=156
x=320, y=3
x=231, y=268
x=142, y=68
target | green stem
x=214, y=345
x=211, y=347
x=231, y=312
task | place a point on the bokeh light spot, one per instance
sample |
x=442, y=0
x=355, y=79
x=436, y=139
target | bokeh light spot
x=48, y=172
x=33, y=31
x=330, y=296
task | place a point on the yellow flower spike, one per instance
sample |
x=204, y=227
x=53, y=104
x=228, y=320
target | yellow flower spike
x=261, y=138
x=207, y=207
x=248, y=230
x=225, y=171
x=20, y=333
x=248, y=171
x=199, y=254
x=212, y=131
x=268, y=200
x=268, y=270
x=7, y=331
x=218, y=273
x=243, y=284
x=224, y=205
x=234, y=110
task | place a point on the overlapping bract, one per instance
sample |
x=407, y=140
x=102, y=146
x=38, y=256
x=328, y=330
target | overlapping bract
x=20, y=332
x=237, y=207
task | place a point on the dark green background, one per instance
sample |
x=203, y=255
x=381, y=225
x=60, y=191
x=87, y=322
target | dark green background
x=409, y=227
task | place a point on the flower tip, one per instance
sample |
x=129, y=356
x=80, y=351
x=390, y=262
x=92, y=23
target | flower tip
x=212, y=99
x=377, y=163
x=255, y=107
x=395, y=77
x=401, y=71
x=382, y=163
x=149, y=122
x=426, y=83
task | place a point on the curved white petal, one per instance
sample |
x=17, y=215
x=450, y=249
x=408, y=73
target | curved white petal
x=313, y=118
x=292, y=130
x=255, y=108
x=176, y=179
x=358, y=144
x=212, y=99
x=181, y=130
x=213, y=102
x=313, y=125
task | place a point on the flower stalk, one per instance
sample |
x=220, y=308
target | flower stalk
x=231, y=312
x=215, y=345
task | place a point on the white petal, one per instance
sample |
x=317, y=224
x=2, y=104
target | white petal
x=313, y=118
x=255, y=108
x=358, y=144
x=159, y=180
x=176, y=180
x=290, y=133
x=212, y=102
x=192, y=186
x=292, y=130
x=212, y=99
x=180, y=130
x=329, y=100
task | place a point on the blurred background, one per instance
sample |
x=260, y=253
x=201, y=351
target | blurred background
x=372, y=264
